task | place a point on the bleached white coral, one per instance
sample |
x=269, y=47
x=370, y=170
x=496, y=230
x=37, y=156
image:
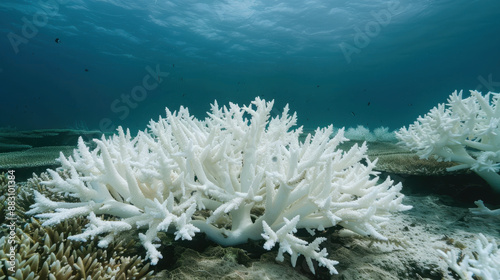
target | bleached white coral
x=482, y=210
x=362, y=133
x=249, y=173
x=465, y=130
x=293, y=245
x=481, y=263
x=383, y=134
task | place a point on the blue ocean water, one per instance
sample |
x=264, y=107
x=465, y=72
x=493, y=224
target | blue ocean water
x=99, y=64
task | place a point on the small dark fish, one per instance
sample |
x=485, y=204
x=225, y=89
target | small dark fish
x=57, y=40
x=368, y=103
x=353, y=114
x=173, y=65
x=86, y=70
x=317, y=85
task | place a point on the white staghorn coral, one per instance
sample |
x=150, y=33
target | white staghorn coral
x=248, y=172
x=465, y=130
x=483, y=262
x=482, y=210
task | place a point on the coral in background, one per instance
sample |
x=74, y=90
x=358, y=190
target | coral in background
x=33, y=157
x=379, y=134
x=236, y=175
x=465, y=130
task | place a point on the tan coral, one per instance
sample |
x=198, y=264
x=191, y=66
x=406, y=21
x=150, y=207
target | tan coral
x=45, y=253
x=25, y=196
